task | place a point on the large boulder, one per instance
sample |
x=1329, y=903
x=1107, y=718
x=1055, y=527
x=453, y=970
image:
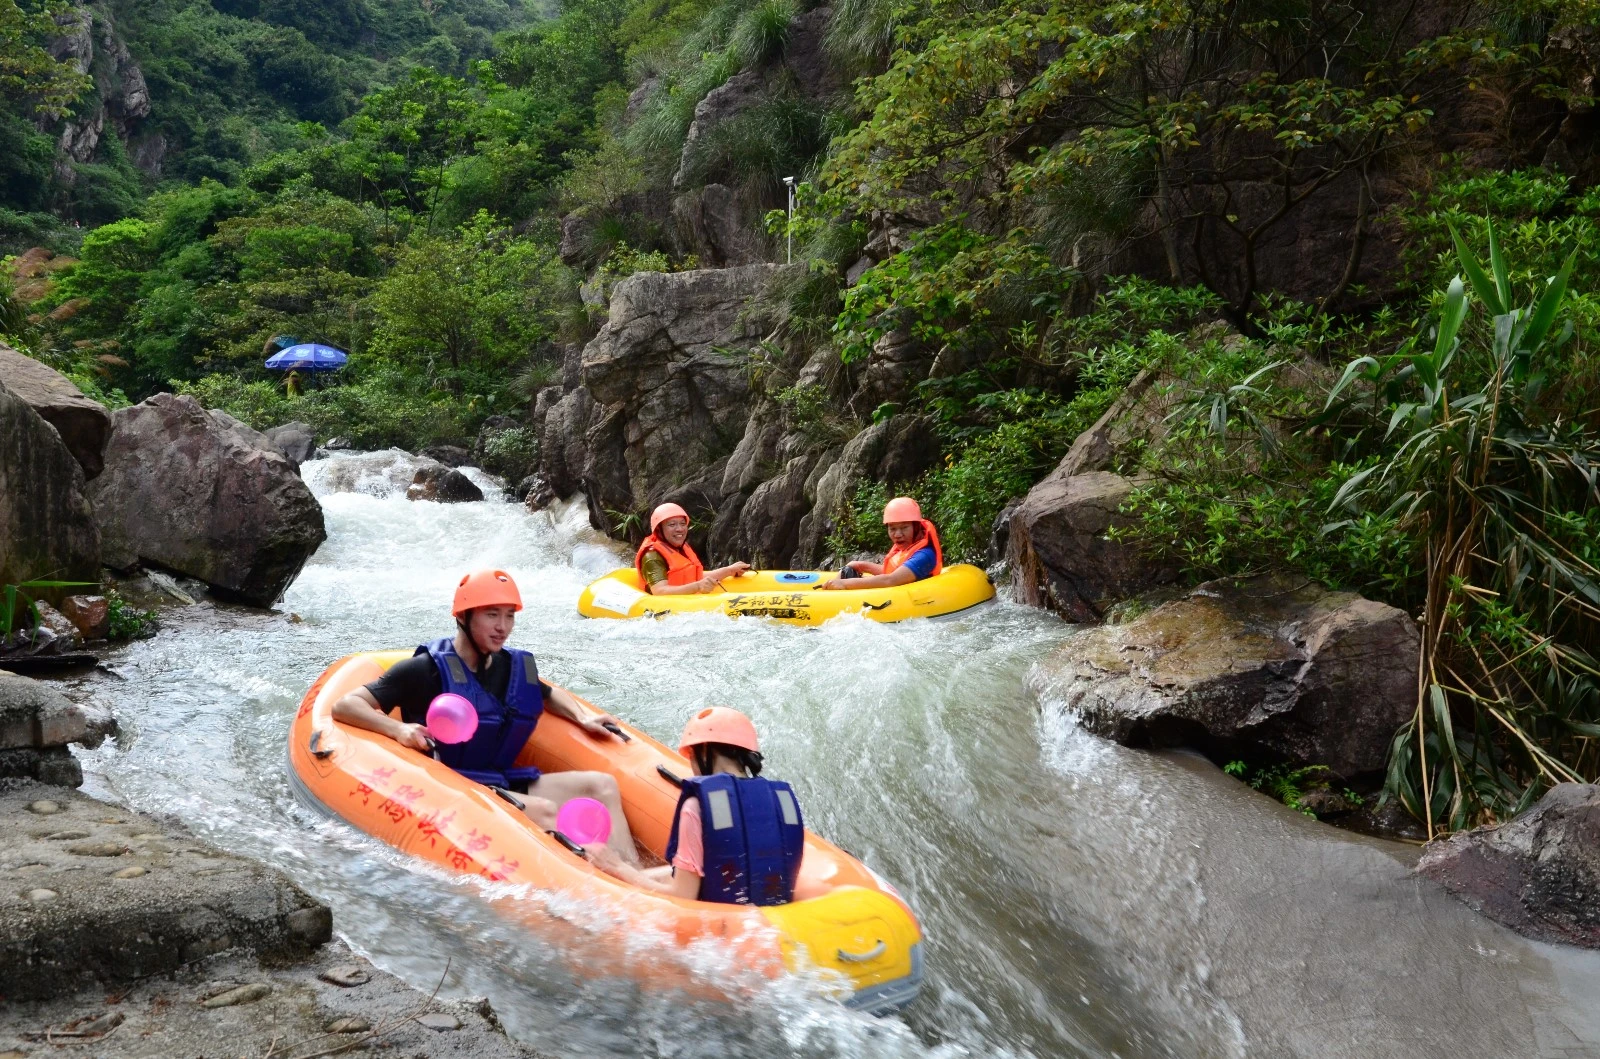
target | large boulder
x=296, y=441
x=47, y=525
x=205, y=496
x=84, y=425
x=1265, y=669
x=1538, y=874
x=444, y=485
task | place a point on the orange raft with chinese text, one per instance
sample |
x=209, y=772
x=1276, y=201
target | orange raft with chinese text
x=845, y=920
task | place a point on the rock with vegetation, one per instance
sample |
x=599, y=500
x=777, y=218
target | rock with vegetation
x=191, y=493
x=47, y=524
x=1267, y=669
x=84, y=425
x=896, y=450
x=1538, y=873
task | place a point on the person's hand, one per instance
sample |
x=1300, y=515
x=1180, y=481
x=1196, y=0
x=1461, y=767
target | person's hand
x=706, y=584
x=858, y=565
x=603, y=857
x=415, y=736
x=837, y=582
x=596, y=725
x=739, y=569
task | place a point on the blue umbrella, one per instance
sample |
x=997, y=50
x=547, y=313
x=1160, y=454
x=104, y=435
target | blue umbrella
x=308, y=356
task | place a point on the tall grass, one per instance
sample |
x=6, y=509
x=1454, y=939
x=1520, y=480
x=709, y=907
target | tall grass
x=1504, y=494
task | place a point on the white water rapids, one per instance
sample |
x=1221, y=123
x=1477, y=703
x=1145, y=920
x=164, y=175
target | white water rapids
x=1061, y=881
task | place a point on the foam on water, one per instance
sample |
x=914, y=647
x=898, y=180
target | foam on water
x=916, y=746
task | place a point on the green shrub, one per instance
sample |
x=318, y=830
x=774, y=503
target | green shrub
x=512, y=454
x=128, y=622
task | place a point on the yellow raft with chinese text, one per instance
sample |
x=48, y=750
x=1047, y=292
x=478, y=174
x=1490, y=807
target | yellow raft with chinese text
x=845, y=920
x=792, y=596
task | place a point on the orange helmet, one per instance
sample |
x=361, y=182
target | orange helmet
x=664, y=512
x=719, y=724
x=901, y=509
x=486, y=588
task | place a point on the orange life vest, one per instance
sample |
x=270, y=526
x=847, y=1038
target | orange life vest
x=683, y=568
x=897, y=556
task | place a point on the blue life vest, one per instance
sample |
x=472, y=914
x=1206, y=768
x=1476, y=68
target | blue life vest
x=754, y=838
x=503, y=727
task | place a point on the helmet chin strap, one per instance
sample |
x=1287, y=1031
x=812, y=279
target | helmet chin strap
x=466, y=627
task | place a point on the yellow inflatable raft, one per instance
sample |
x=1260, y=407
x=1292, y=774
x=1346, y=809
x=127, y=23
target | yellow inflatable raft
x=792, y=596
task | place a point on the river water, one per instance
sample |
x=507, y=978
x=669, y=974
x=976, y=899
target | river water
x=1079, y=899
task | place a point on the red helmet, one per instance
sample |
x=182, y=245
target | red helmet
x=901, y=509
x=486, y=588
x=664, y=512
x=719, y=724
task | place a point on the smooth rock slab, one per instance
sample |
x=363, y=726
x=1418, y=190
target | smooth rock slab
x=1538, y=874
x=99, y=927
x=84, y=424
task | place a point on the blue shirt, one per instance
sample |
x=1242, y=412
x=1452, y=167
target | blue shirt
x=922, y=562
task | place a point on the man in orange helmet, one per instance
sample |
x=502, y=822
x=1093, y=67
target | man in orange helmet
x=737, y=837
x=914, y=552
x=667, y=564
x=503, y=685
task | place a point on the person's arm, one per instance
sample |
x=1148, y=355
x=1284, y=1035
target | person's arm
x=360, y=710
x=561, y=702
x=902, y=576
x=865, y=566
x=661, y=880
x=693, y=588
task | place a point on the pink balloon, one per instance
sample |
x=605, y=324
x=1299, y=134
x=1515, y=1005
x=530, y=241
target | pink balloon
x=584, y=820
x=451, y=718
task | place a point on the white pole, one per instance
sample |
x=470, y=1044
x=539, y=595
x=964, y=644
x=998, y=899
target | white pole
x=789, y=183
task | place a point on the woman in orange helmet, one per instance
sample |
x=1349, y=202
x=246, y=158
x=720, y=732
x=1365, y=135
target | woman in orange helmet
x=751, y=852
x=914, y=551
x=503, y=685
x=667, y=564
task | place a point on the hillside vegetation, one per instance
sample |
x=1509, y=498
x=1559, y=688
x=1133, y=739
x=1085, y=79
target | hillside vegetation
x=1268, y=202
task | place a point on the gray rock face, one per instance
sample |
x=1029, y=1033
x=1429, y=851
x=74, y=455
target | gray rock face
x=36, y=724
x=84, y=425
x=1538, y=874
x=296, y=441
x=666, y=375
x=47, y=526
x=206, y=497
x=896, y=450
x=712, y=223
x=1263, y=668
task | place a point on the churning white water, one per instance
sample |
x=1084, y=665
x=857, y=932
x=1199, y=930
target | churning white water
x=1027, y=848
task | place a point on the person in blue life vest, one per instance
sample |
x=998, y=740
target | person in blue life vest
x=737, y=837
x=503, y=685
x=914, y=552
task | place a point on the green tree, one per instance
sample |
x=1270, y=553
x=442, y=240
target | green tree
x=30, y=77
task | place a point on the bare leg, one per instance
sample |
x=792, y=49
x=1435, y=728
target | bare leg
x=562, y=787
x=542, y=811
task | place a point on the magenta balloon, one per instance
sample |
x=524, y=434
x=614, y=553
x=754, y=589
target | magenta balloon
x=451, y=718
x=584, y=820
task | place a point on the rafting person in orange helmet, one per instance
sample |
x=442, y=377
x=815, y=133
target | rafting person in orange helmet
x=666, y=563
x=503, y=685
x=914, y=552
x=750, y=852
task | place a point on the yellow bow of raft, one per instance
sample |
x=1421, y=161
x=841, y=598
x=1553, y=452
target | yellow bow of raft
x=792, y=596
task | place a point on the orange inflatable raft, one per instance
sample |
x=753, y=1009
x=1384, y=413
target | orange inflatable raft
x=845, y=920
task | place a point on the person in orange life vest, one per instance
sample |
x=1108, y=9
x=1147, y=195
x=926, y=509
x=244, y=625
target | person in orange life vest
x=503, y=685
x=914, y=551
x=667, y=564
x=752, y=851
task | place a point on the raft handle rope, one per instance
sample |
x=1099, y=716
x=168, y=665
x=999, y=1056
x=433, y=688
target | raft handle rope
x=616, y=730
x=572, y=846
x=508, y=796
x=876, y=606
x=316, y=740
x=863, y=957
x=670, y=776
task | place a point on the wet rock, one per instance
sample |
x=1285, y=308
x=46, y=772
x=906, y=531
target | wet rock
x=244, y=994
x=1539, y=874
x=91, y=615
x=350, y=1024
x=449, y=455
x=47, y=525
x=36, y=715
x=1261, y=669
x=346, y=975
x=295, y=440
x=444, y=485
x=194, y=493
x=1060, y=555
x=58, y=624
x=439, y=1020
x=84, y=425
